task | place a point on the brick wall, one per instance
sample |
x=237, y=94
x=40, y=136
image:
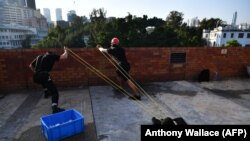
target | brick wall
x=147, y=65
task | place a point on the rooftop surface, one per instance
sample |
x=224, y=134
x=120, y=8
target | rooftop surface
x=111, y=116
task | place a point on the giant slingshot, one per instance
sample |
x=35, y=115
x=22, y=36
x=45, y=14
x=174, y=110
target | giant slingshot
x=153, y=113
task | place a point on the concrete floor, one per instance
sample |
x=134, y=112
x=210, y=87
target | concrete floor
x=111, y=116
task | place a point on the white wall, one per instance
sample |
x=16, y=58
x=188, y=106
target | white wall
x=216, y=37
x=243, y=41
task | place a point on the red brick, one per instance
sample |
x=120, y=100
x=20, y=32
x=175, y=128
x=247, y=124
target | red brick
x=147, y=64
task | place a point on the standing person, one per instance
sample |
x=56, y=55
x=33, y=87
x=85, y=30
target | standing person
x=119, y=55
x=41, y=66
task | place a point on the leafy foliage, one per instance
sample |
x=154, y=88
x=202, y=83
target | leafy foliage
x=210, y=23
x=233, y=43
x=58, y=37
x=131, y=31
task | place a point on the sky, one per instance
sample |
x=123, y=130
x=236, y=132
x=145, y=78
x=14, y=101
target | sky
x=223, y=9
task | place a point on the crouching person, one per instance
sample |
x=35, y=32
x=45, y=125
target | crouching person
x=41, y=66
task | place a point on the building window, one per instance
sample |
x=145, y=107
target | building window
x=224, y=35
x=248, y=35
x=241, y=35
x=232, y=35
x=178, y=58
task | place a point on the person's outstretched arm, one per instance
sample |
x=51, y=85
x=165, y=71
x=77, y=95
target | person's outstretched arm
x=64, y=55
x=102, y=49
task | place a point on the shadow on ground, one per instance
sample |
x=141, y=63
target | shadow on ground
x=35, y=134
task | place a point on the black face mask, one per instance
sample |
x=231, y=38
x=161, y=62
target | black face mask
x=114, y=45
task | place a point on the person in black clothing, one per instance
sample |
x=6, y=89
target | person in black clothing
x=119, y=55
x=41, y=66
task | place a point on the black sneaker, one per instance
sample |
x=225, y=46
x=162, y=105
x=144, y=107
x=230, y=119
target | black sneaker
x=180, y=121
x=156, y=121
x=167, y=121
x=135, y=97
x=56, y=109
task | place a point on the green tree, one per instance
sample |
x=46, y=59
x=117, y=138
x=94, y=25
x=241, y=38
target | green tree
x=131, y=31
x=174, y=19
x=189, y=36
x=74, y=40
x=232, y=43
x=58, y=37
x=210, y=23
x=162, y=37
x=54, y=39
x=157, y=22
x=98, y=19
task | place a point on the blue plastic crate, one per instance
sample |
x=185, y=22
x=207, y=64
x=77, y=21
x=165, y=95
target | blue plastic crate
x=61, y=125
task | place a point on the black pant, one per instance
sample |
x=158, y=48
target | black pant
x=123, y=71
x=49, y=85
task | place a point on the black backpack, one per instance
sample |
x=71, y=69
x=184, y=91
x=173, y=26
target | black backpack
x=40, y=77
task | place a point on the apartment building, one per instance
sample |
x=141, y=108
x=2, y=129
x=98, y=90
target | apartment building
x=219, y=36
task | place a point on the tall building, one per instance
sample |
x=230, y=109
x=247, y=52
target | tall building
x=2, y=3
x=71, y=15
x=59, y=14
x=234, y=19
x=15, y=2
x=18, y=20
x=46, y=13
x=15, y=14
x=195, y=22
x=31, y=4
x=21, y=3
x=12, y=35
x=62, y=24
